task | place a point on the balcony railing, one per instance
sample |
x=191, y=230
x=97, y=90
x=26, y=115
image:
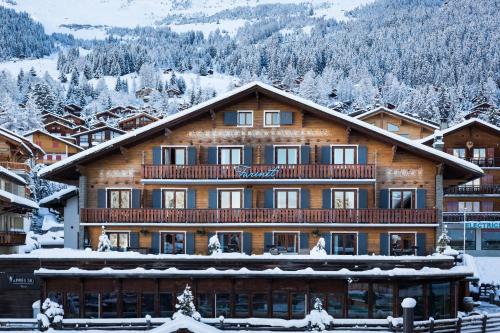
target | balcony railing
x=474, y=189
x=12, y=238
x=15, y=166
x=471, y=217
x=260, y=215
x=485, y=162
x=285, y=171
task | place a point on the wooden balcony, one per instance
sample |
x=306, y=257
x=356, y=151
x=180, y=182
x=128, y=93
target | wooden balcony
x=473, y=189
x=275, y=171
x=471, y=217
x=488, y=162
x=15, y=166
x=259, y=215
x=12, y=238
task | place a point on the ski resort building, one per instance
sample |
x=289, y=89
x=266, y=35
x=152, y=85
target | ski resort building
x=473, y=209
x=262, y=177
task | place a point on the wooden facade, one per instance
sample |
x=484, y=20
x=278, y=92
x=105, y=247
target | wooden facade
x=56, y=148
x=96, y=136
x=135, y=121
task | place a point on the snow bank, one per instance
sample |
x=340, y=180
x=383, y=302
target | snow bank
x=486, y=269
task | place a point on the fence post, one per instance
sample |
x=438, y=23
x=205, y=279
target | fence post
x=431, y=325
x=459, y=325
x=484, y=321
x=408, y=305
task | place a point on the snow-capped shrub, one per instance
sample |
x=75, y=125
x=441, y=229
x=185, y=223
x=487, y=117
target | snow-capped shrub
x=51, y=315
x=318, y=318
x=443, y=241
x=104, y=242
x=320, y=248
x=185, y=305
x=214, y=245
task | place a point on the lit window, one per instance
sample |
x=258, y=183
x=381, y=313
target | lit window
x=469, y=206
x=343, y=199
x=230, y=199
x=119, y=240
x=459, y=152
x=118, y=198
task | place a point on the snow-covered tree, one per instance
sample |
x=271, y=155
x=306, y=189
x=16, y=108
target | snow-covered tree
x=320, y=248
x=318, y=318
x=444, y=240
x=185, y=306
x=104, y=242
x=214, y=245
x=51, y=314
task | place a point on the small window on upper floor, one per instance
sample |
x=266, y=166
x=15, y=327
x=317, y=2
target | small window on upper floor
x=271, y=118
x=392, y=127
x=405, y=135
x=245, y=118
x=459, y=152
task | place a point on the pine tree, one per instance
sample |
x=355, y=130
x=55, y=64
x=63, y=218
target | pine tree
x=104, y=242
x=62, y=78
x=118, y=85
x=185, y=306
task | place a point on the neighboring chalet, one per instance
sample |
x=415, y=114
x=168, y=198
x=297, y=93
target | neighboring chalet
x=59, y=128
x=52, y=117
x=15, y=153
x=96, y=136
x=478, y=201
x=106, y=115
x=74, y=119
x=56, y=148
x=405, y=125
x=481, y=109
x=136, y=121
x=260, y=172
x=73, y=109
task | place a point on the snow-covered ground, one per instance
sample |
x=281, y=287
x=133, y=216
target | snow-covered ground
x=487, y=269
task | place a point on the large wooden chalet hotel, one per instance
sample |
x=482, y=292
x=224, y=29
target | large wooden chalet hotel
x=269, y=174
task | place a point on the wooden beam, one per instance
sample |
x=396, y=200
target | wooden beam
x=212, y=116
x=394, y=151
x=348, y=133
x=257, y=98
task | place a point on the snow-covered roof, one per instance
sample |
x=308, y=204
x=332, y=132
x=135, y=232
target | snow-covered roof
x=50, y=114
x=98, y=129
x=12, y=175
x=396, y=114
x=409, y=144
x=18, y=200
x=57, y=196
x=68, y=115
x=59, y=123
x=135, y=115
x=14, y=137
x=56, y=137
x=458, y=126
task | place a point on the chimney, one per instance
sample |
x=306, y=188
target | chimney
x=438, y=141
x=443, y=124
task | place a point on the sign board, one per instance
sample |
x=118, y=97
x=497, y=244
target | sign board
x=482, y=225
x=244, y=172
x=18, y=281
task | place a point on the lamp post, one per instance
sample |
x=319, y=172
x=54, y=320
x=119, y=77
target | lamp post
x=465, y=216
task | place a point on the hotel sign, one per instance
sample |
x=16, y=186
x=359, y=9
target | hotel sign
x=482, y=225
x=18, y=281
x=244, y=172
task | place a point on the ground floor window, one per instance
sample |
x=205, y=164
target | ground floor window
x=402, y=244
x=91, y=305
x=416, y=292
x=333, y=303
x=147, y=304
x=167, y=305
x=490, y=239
x=440, y=300
x=223, y=305
x=241, y=305
x=357, y=299
x=298, y=301
x=109, y=308
x=286, y=242
x=457, y=239
x=129, y=305
x=344, y=243
x=72, y=305
x=260, y=307
x=205, y=307
x=382, y=300
x=280, y=305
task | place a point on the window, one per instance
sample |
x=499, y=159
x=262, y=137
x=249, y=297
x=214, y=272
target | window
x=119, y=198
x=490, y=240
x=280, y=305
x=401, y=199
x=392, y=127
x=479, y=153
x=174, y=199
x=230, y=241
x=241, y=305
x=469, y=206
x=344, y=199
x=174, y=155
x=287, y=199
x=335, y=305
x=72, y=306
x=417, y=293
x=271, y=118
x=344, y=243
x=222, y=305
x=286, y=155
x=166, y=304
x=230, y=199
x=147, y=304
x=119, y=240
x=402, y=244
x=84, y=140
x=259, y=306
x=382, y=300
x=457, y=239
x=405, y=135
x=344, y=155
x=205, y=306
x=358, y=300
x=230, y=155
x=91, y=305
x=172, y=243
x=98, y=137
x=459, y=152
x=440, y=300
x=298, y=306
x=109, y=305
x=245, y=118
x=129, y=305
x=286, y=242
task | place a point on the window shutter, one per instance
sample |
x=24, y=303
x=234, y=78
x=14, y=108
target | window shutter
x=230, y=118
x=248, y=155
x=384, y=244
x=421, y=198
x=328, y=240
x=191, y=199
x=326, y=155
x=383, y=200
x=304, y=198
x=191, y=155
x=134, y=240
x=286, y=118
x=212, y=198
x=247, y=198
x=327, y=198
x=269, y=154
x=156, y=155
x=136, y=198
x=362, y=243
x=305, y=154
x=363, y=198
x=362, y=155
x=452, y=206
x=421, y=244
x=155, y=242
x=247, y=243
x=101, y=198
x=189, y=242
x=269, y=198
x=212, y=155
x=486, y=206
x=268, y=241
x=304, y=241
x=157, y=199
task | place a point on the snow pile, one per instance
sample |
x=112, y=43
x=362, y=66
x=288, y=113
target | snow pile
x=320, y=248
x=408, y=303
x=31, y=243
x=486, y=268
x=104, y=242
x=182, y=323
x=319, y=319
x=185, y=306
x=50, y=222
x=214, y=245
x=52, y=314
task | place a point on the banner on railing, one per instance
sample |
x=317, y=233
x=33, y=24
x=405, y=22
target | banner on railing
x=245, y=172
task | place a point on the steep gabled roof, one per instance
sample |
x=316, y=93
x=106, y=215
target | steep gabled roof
x=463, y=124
x=63, y=120
x=98, y=129
x=69, y=164
x=145, y=114
x=54, y=137
x=31, y=148
x=396, y=114
x=59, y=123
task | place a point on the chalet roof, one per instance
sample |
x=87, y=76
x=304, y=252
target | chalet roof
x=12, y=176
x=70, y=115
x=54, y=137
x=108, y=112
x=17, y=200
x=57, y=117
x=98, y=129
x=59, y=123
x=73, y=107
x=145, y=114
x=395, y=114
x=31, y=148
x=55, y=170
x=59, y=197
x=463, y=124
